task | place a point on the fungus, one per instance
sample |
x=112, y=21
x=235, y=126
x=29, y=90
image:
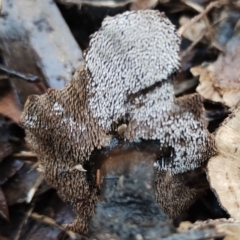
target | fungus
x=124, y=91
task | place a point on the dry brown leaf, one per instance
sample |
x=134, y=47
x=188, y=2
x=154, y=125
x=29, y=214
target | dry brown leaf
x=232, y=230
x=220, y=81
x=18, y=189
x=37, y=41
x=224, y=169
x=23, y=226
x=9, y=102
x=5, y=150
x=3, y=206
x=10, y=135
x=195, y=30
x=143, y=4
x=6, y=147
x=98, y=3
x=206, y=88
x=10, y=108
x=8, y=168
x=228, y=227
x=135, y=4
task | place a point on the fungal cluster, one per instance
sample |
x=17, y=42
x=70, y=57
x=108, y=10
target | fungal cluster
x=126, y=80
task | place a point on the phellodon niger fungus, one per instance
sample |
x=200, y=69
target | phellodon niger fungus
x=123, y=93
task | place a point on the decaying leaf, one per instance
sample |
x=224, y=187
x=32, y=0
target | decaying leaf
x=10, y=135
x=9, y=102
x=228, y=228
x=220, y=81
x=5, y=150
x=8, y=168
x=195, y=31
x=136, y=4
x=54, y=58
x=67, y=128
x=3, y=206
x=224, y=169
x=31, y=221
x=18, y=189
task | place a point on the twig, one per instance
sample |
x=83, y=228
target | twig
x=24, y=154
x=185, y=86
x=28, y=213
x=193, y=5
x=33, y=190
x=28, y=77
x=193, y=44
x=201, y=15
x=209, y=33
x=49, y=221
x=103, y=3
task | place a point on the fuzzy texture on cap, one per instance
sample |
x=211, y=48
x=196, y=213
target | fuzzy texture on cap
x=131, y=52
x=130, y=63
x=179, y=126
x=61, y=130
x=127, y=81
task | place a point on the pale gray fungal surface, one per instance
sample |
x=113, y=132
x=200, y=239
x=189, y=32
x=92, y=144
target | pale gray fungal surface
x=179, y=126
x=130, y=53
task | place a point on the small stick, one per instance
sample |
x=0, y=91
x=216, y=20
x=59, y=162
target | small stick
x=193, y=44
x=98, y=180
x=24, y=154
x=28, y=77
x=49, y=221
x=103, y=3
x=24, y=221
x=33, y=190
x=201, y=15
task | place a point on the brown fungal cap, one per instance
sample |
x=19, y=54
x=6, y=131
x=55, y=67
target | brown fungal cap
x=129, y=53
x=63, y=133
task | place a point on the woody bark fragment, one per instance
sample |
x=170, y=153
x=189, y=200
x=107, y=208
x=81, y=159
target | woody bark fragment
x=127, y=208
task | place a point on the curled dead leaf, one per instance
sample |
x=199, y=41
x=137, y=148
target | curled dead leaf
x=8, y=168
x=23, y=186
x=223, y=170
x=220, y=81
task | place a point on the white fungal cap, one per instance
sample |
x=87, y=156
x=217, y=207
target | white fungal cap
x=129, y=53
